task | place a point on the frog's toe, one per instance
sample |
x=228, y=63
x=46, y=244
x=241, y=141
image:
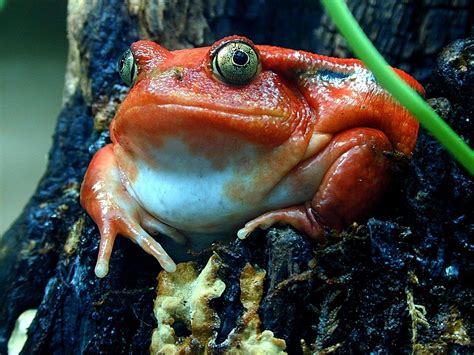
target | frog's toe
x=243, y=233
x=101, y=268
x=299, y=217
x=249, y=227
x=152, y=225
x=152, y=247
x=107, y=239
x=133, y=230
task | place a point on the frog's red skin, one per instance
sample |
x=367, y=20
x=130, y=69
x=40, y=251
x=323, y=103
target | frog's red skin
x=303, y=143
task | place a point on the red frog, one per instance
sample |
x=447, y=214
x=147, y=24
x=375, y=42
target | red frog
x=210, y=138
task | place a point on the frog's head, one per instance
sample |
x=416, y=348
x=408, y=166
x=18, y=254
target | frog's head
x=235, y=94
x=217, y=94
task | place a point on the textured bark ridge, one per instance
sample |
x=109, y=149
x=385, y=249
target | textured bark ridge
x=352, y=293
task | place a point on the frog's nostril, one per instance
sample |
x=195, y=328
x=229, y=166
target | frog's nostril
x=178, y=73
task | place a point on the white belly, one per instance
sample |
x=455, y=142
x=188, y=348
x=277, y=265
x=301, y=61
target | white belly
x=195, y=202
x=191, y=195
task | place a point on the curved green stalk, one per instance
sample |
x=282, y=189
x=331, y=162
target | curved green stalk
x=404, y=94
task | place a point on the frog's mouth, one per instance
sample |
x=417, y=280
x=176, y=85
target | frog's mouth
x=269, y=128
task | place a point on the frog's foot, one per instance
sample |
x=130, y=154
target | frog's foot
x=133, y=230
x=356, y=177
x=114, y=211
x=300, y=217
x=154, y=226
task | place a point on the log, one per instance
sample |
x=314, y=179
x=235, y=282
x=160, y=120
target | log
x=353, y=296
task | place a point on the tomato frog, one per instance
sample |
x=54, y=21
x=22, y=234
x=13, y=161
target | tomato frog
x=216, y=141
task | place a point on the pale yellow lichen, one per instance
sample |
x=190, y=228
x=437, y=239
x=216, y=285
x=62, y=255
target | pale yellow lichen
x=456, y=332
x=73, y=237
x=20, y=332
x=247, y=338
x=310, y=349
x=185, y=295
x=418, y=316
x=104, y=112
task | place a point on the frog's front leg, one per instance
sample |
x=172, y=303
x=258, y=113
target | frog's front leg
x=104, y=196
x=357, y=175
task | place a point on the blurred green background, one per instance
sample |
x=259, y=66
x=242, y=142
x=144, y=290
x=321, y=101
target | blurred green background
x=33, y=52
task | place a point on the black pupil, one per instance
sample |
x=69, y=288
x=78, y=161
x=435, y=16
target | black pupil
x=122, y=61
x=240, y=58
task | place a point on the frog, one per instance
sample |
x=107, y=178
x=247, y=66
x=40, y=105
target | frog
x=217, y=142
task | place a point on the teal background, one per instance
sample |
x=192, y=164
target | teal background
x=33, y=52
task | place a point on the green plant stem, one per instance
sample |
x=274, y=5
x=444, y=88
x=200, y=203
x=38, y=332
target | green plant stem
x=404, y=94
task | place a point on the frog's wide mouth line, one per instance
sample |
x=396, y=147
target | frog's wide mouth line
x=218, y=110
x=265, y=128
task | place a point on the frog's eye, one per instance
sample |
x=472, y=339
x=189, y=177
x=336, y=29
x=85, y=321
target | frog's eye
x=127, y=68
x=235, y=63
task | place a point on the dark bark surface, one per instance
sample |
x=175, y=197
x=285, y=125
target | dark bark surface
x=354, y=294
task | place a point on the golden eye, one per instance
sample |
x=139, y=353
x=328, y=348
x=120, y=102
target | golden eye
x=127, y=68
x=236, y=63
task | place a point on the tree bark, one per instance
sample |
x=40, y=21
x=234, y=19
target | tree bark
x=47, y=256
